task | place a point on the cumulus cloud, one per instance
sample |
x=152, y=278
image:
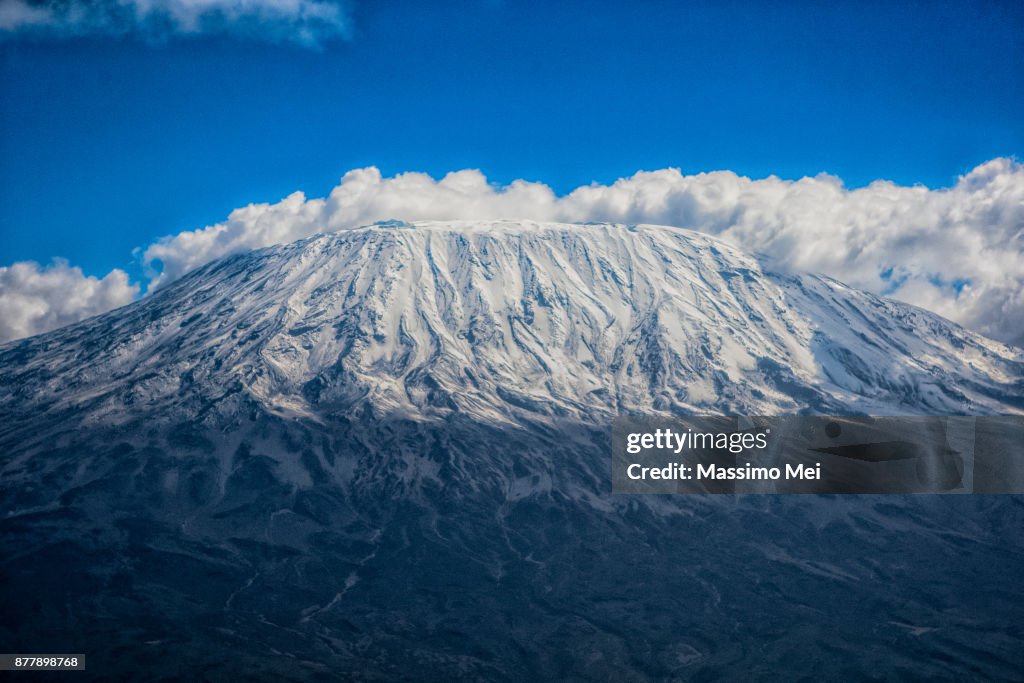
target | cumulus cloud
x=957, y=251
x=363, y=196
x=304, y=22
x=36, y=299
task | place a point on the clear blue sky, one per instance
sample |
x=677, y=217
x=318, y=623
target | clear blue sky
x=107, y=143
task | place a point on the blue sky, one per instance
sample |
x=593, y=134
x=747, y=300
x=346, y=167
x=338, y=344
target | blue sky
x=107, y=142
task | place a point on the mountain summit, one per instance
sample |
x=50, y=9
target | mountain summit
x=496, y=320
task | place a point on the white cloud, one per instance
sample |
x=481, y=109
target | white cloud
x=957, y=251
x=362, y=197
x=305, y=22
x=36, y=299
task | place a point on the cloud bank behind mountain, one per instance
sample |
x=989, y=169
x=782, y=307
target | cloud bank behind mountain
x=958, y=251
x=35, y=299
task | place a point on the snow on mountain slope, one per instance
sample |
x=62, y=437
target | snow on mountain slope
x=503, y=319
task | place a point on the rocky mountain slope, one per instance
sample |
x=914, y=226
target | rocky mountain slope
x=384, y=453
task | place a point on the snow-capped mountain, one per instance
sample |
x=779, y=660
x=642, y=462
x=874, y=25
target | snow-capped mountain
x=500, y=319
x=386, y=450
